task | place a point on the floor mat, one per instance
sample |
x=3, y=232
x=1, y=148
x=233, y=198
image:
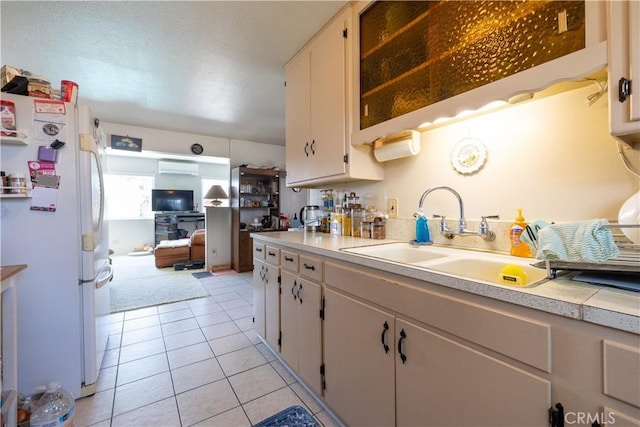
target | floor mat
x=294, y=416
x=201, y=274
x=223, y=272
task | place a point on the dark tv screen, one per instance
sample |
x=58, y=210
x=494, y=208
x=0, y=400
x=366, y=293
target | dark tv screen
x=171, y=200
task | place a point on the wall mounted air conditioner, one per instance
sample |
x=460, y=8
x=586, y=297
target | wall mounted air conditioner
x=177, y=168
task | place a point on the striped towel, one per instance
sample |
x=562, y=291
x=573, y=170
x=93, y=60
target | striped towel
x=585, y=241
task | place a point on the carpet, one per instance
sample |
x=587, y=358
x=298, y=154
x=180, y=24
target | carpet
x=201, y=275
x=294, y=416
x=138, y=284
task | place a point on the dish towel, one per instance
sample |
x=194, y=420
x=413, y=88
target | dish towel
x=585, y=241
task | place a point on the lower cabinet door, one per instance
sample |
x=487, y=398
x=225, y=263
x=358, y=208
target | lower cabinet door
x=259, y=299
x=272, y=305
x=288, y=320
x=444, y=383
x=310, y=334
x=359, y=372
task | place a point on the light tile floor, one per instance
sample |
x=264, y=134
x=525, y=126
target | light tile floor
x=196, y=362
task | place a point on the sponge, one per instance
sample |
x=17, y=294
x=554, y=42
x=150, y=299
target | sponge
x=513, y=275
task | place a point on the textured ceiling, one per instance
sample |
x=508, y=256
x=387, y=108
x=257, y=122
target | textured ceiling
x=208, y=67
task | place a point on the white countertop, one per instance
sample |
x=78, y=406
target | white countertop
x=601, y=305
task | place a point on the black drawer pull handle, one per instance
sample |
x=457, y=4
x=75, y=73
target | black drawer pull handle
x=292, y=290
x=309, y=267
x=385, y=328
x=258, y=249
x=402, y=355
x=299, y=289
x=286, y=258
x=271, y=253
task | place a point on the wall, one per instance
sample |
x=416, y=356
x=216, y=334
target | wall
x=552, y=157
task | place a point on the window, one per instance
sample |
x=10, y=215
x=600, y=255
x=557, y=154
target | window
x=206, y=183
x=128, y=196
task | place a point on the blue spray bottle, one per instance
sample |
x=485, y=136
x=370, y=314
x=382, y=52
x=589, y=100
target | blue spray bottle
x=422, y=229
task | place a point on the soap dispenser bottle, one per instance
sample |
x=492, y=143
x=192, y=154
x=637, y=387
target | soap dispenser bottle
x=518, y=247
x=422, y=229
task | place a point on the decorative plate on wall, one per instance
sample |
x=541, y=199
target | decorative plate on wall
x=468, y=155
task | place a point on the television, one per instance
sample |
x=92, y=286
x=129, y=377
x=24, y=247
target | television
x=171, y=200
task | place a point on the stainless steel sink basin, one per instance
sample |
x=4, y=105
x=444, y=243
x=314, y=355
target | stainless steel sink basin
x=485, y=270
x=399, y=252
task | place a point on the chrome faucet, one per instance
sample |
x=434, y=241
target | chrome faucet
x=462, y=230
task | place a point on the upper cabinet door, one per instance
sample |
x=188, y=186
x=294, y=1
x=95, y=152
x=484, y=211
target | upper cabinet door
x=415, y=62
x=298, y=115
x=624, y=64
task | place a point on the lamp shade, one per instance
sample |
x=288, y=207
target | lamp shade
x=216, y=192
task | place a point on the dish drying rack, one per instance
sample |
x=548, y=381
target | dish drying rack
x=628, y=261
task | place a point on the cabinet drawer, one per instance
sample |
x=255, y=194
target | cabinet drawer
x=259, y=250
x=621, y=363
x=272, y=255
x=289, y=261
x=311, y=268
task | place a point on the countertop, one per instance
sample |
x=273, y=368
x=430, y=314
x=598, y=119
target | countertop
x=8, y=271
x=602, y=305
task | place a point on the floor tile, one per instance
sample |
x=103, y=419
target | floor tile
x=227, y=296
x=234, y=303
x=174, y=316
x=184, y=339
x=241, y=360
x=197, y=405
x=196, y=374
x=200, y=301
x=265, y=351
x=256, y=382
x=229, y=343
x=238, y=313
x=142, y=368
x=244, y=323
x=212, y=307
x=143, y=392
x=114, y=341
x=165, y=308
x=252, y=335
x=266, y=406
x=110, y=358
x=93, y=409
x=140, y=323
x=116, y=328
x=306, y=397
x=140, y=335
x=162, y=413
x=213, y=319
x=187, y=355
x=179, y=326
x=220, y=330
x=234, y=417
x=282, y=370
x=139, y=313
x=107, y=378
x=142, y=349
x=326, y=419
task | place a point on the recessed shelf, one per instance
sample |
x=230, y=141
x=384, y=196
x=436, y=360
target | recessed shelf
x=13, y=140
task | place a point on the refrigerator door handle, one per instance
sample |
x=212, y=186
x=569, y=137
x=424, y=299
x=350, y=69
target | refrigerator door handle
x=100, y=282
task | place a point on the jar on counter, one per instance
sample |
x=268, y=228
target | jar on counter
x=5, y=182
x=336, y=221
x=346, y=222
x=365, y=229
x=379, y=230
x=8, y=118
x=357, y=217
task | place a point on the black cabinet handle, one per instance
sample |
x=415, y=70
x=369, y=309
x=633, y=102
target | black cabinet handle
x=624, y=89
x=295, y=296
x=299, y=289
x=402, y=355
x=306, y=145
x=385, y=328
x=258, y=249
x=309, y=267
x=313, y=150
x=271, y=253
x=286, y=258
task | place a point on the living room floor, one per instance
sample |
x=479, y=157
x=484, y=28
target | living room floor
x=196, y=362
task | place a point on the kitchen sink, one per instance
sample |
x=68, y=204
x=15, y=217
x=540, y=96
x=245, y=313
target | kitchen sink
x=471, y=265
x=486, y=270
x=400, y=252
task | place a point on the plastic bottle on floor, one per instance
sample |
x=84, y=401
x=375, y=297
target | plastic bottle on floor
x=56, y=408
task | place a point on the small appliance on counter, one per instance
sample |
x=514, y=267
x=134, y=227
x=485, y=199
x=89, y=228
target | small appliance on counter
x=311, y=217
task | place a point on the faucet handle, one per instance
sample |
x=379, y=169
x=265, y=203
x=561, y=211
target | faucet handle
x=443, y=225
x=485, y=218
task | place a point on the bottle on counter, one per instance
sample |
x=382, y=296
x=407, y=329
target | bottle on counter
x=422, y=229
x=518, y=247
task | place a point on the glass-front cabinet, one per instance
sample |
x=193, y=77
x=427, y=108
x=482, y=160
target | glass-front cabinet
x=419, y=61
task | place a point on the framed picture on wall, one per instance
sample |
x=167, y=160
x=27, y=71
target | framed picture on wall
x=126, y=143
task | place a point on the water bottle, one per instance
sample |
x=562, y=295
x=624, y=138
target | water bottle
x=55, y=408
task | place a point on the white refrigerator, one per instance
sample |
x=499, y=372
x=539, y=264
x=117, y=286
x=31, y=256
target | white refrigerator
x=59, y=230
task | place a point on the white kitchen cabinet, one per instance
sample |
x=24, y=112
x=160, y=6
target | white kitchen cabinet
x=359, y=377
x=301, y=328
x=420, y=377
x=623, y=41
x=266, y=301
x=318, y=148
x=442, y=382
